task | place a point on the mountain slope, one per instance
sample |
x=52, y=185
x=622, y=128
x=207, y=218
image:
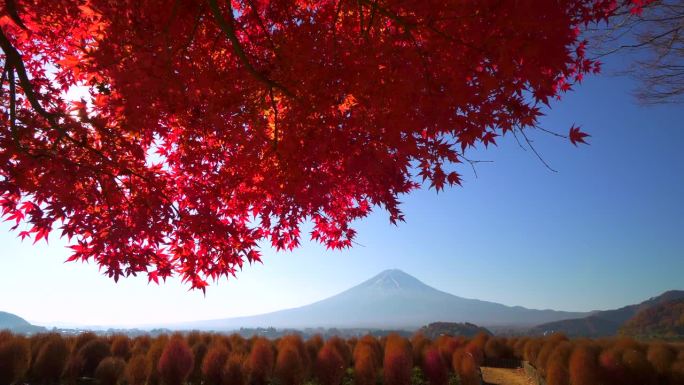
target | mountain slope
x=392, y=299
x=664, y=320
x=604, y=323
x=14, y=323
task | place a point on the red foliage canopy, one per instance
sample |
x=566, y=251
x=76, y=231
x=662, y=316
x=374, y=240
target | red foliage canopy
x=209, y=126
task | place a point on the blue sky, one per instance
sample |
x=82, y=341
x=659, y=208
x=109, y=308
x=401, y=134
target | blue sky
x=605, y=231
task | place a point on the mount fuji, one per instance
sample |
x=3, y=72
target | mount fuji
x=392, y=299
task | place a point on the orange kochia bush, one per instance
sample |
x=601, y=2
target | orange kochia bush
x=330, y=365
x=398, y=361
x=176, y=361
x=260, y=362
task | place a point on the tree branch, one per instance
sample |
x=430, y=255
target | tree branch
x=228, y=27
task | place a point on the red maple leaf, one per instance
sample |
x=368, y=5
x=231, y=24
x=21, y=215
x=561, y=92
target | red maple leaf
x=576, y=136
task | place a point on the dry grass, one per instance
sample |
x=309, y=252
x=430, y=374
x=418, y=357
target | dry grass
x=500, y=376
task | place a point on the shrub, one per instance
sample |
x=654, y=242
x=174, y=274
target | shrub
x=296, y=342
x=365, y=364
x=313, y=345
x=152, y=359
x=419, y=343
x=496, y=348
x=51, y=360
x=199, y=351
x=15, y=359
x=141, y=345
x=289, y=367
x=447, y=345
x=81, y=340
x=233, y=372
x=376, y=348
x=121, y=347
x=434, y=368
x=213, y=362
x=475, y=349
x=136, y=370
x=110, y=370
x=330, y=365
x=341, y=346
x=398, y=362
x=544, y=354
x=469, y=374
x=612, y=368
x=238, y=344
x=639, y=370
x=90, y=355
x=176, y=361
x=583, y=366
x=457, y=359
x=519, y=347
x=260, y=362
x=557, y=365
x=531, y=350
x=661, y=356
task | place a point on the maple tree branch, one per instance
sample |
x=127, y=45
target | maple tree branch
x=11, y=7
x=534, y=150
x=16, y=63
x=228, y=27
x=474, y=162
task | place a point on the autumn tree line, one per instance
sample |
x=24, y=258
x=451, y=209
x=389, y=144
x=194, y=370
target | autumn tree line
x=216, y=359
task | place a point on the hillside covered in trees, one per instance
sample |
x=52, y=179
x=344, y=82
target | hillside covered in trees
x=665, y=320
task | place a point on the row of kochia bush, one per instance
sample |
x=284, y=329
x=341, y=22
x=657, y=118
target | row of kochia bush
x=619, y=361
x=215, y=359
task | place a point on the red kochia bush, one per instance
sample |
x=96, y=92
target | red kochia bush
x=175, y=362
x=398, y=361
x=136, y=372
x=469, y=374
x=434, y=367
x=661, y=356
x=234, y=370
x=199, y=350
x=496, y=348
x=15, y=359
x=313, y=345
x=419, y=343
x=365, y=364
x=557, y=365
x=612, y=368
x=260, y=362
x=583, y=367
x=213, y=362
x=90, y=355
x=295, y=342
x=110, y=370
x=51, y=359
x=121, y=347
x=639, y=370
x=289, y=367
x=447, y=345
x=152, y=359
x=330, y=365
x=475, y=349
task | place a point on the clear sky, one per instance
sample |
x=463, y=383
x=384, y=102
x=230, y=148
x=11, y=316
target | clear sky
x=607, y=230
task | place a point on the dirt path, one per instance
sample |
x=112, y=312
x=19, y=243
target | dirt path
x=499, y=376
